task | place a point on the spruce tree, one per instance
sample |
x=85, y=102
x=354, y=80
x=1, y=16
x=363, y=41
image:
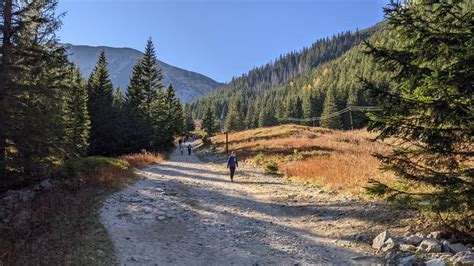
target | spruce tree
x=428, y=108
x=174, y=108
x=209, y=121
x=188, y=119
x=330, y=106
x=233, y=120
x=267, y=117
x=33, y=70
x=77, y=116
x=103, y=138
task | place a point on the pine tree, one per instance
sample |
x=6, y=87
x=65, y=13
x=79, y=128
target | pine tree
x=428, y=108
x=101, y=111
x=209, y=121
x=175, y=118
x=188, y=119
x=33, y=70
x=266, y=118
x=152, y=78
x=77, y=116
x=234, y=121
x=330, y=106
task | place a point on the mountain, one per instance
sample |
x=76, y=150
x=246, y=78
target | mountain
x=189, y=85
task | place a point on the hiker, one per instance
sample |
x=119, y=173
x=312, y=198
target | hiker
x=182, y=150
x=180, y=141
x=232, y=163
x=189, y=149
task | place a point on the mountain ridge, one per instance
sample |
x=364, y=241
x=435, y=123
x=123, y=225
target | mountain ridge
x=189, y=85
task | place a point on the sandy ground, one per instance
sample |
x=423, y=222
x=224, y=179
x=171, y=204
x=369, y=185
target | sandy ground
x=185, y=211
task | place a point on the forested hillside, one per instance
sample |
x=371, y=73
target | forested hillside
x=295, y=80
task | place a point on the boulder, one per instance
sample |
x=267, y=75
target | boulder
x=457, y=247
x=463, y=258
x=379, y=240
x=408, y=260
x=414, y=240
x=436, y=262
x=429, y=246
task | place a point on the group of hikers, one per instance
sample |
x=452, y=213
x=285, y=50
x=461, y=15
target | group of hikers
x=232, y=162
x=180, y=142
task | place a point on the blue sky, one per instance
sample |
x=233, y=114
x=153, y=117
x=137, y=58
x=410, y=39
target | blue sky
x=219, y=39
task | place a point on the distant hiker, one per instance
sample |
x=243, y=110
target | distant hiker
x=182, y=150
x=189, y=149
x=232, y=163
x=180, y=141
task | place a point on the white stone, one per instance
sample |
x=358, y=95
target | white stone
x=407, y=248
x=429, y=246
x=379, y=240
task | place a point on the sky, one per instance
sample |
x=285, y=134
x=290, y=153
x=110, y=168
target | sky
x=218, y=38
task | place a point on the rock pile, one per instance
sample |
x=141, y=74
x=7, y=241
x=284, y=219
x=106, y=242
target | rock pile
x=429, y=250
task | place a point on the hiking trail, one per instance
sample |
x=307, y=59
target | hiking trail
x=184, y=211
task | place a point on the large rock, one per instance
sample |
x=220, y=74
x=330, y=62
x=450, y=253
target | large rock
x=408, y=260
x=457, y=247
x=435, y=262
x=379, y=240
x=429, y=246
x=463, y=258
x=414, y=240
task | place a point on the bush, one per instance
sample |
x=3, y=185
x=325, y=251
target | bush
x=259, y=159
x=270, y=167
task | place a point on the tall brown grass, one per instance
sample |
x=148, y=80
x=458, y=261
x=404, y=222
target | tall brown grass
x=338, y=160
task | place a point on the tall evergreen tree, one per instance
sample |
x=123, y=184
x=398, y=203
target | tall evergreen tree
x=233, y=120
x=330, y=107
x=77, y=116
x=266, y=117
x=174, y=108
x=209, y=121
x=428, y=108
x=33, y=70
x=103, y=136
x=188, y=119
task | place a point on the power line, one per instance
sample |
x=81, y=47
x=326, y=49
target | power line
x=349, y=109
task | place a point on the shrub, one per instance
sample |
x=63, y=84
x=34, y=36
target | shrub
x=271, y=167
x=258, y=159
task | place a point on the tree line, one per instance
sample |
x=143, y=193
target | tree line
x=317, y=92
x=50, y=114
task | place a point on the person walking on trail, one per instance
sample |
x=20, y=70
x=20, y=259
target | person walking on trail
x=182, y=150
x=232, y=163
x=189, y=149
x=180, y=141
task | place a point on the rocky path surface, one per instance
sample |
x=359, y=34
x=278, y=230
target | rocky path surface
x=186, y=212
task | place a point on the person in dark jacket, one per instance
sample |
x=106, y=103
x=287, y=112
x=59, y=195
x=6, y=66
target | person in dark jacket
x=232, y=164
x=189, y=149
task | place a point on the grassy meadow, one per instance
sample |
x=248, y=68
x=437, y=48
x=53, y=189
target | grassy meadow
x=337, y=160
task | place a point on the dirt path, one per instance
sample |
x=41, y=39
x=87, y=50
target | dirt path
x=186, y=212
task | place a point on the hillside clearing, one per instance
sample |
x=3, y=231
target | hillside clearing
x=338, y=160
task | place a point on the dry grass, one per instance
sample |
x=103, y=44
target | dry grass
x=338, y=160
x=61, y=226
x=138, y=160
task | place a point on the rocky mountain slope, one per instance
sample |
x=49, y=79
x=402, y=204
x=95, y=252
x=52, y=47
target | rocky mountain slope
x=189, y=85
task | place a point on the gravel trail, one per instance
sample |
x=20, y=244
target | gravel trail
x=185, y=211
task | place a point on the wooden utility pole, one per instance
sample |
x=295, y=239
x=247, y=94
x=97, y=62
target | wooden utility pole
x=350, y=116
x=4, y=80
x=227, y=142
